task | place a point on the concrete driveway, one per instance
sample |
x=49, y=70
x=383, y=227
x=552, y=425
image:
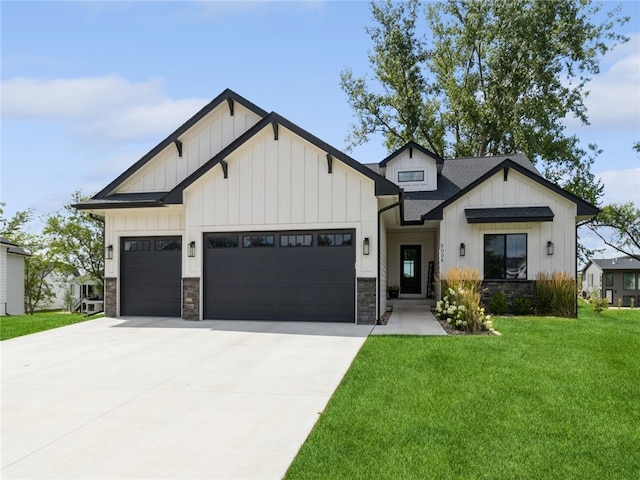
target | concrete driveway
x=165, y=398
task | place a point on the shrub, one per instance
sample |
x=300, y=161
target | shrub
x=619, y=303
x=521, y=305
x=633, y=303
x=498, y=304
x=556, y=294
x=460, y=305
x=598, y=304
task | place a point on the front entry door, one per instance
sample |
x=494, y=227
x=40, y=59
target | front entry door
x=410, y=272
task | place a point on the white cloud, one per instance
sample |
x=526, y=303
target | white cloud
x=105, y=108
x=621, y=186
x=614, y=98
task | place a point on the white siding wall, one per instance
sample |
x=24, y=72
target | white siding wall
x=282, y=185
x=203, y=141
x=596, y=275
x=140, y=222
x=3, y=278
x=419, y=162
x=15, y=284
x=383, y=281
x=518, y=190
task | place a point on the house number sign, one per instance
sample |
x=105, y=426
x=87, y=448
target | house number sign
x=442, y=253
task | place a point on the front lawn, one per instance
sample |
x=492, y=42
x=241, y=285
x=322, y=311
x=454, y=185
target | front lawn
x=16, y=326
x=550, y=398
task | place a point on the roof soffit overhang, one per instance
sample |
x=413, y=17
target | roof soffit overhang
x=585, y=210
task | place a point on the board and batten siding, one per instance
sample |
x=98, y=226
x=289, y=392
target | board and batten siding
x=417, y=162
x=159, y=221
x=281, y=185
x=517, y=191
x=202, y=142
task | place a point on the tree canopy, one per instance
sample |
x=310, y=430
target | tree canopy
x=489, y=78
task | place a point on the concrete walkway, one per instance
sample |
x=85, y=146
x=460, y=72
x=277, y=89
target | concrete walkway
x=166, y=398
x=410, y=320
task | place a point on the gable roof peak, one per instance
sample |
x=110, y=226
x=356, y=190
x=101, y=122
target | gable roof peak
x=412, y=145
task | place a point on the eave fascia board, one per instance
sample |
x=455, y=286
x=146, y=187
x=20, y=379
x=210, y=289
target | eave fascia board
x=439, y=160
x=223, y=97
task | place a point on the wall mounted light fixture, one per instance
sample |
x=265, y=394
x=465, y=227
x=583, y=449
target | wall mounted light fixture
x=365, y=246
x=462, y=250
x=550, y=248
x=108, y=252
x=192, y=249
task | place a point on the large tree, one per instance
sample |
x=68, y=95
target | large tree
x=618, y=226
x=76, y=241
x=488, y=78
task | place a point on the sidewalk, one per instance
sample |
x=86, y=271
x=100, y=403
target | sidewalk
x=410, y=320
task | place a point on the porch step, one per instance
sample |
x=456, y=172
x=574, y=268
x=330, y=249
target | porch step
x=411, y=301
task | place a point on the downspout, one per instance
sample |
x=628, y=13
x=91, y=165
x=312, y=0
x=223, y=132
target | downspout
x=380, y=212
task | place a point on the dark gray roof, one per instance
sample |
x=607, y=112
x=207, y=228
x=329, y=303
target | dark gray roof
x=457, y=174
x=124, y=200
x=509, y=214
x=619, y=263
x=13, y=247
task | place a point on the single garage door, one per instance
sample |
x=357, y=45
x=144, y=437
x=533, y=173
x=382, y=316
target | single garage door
x=307, y=276
x=150, y=276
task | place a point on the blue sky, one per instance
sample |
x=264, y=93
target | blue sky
x=89, y=87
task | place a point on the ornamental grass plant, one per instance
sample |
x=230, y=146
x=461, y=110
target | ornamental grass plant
x=460, y=306
x=556, y=294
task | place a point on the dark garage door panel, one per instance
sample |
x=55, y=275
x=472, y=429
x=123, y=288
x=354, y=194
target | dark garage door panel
x=150, y=280
x=315, y=283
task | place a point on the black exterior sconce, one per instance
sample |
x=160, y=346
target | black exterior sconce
x=462, y=250
x=108, y=252
x=192, y=249
x=550, y=248
x=365, y=246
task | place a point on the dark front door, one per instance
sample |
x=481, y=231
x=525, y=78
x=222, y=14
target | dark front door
x=410, y=260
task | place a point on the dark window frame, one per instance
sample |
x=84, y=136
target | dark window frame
x=223, y=241
x=258, y=241
x=162, y=245
x=296, y=240
x=608, y=279
x=411, y=172
x=333, y=239
x=634, y=276
x=501, y=263
x=138, y=245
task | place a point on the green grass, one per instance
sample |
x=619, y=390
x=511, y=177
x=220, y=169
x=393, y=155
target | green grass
x=16, y=326
x=550, y=398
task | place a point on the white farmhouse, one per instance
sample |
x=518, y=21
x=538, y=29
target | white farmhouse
x=242, y=214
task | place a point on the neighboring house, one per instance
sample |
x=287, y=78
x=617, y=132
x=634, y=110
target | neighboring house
x=619, y=279
x=11, y=278
x=241, y=214
x=83, y=294
x=591, y=279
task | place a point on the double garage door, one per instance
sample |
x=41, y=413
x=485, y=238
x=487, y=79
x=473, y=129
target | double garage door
x=307, y=276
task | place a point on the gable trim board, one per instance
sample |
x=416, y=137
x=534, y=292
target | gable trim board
x=276, y=178
x=228, y=95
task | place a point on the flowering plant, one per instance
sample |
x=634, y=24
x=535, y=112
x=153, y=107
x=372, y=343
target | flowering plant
x=460, y=308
